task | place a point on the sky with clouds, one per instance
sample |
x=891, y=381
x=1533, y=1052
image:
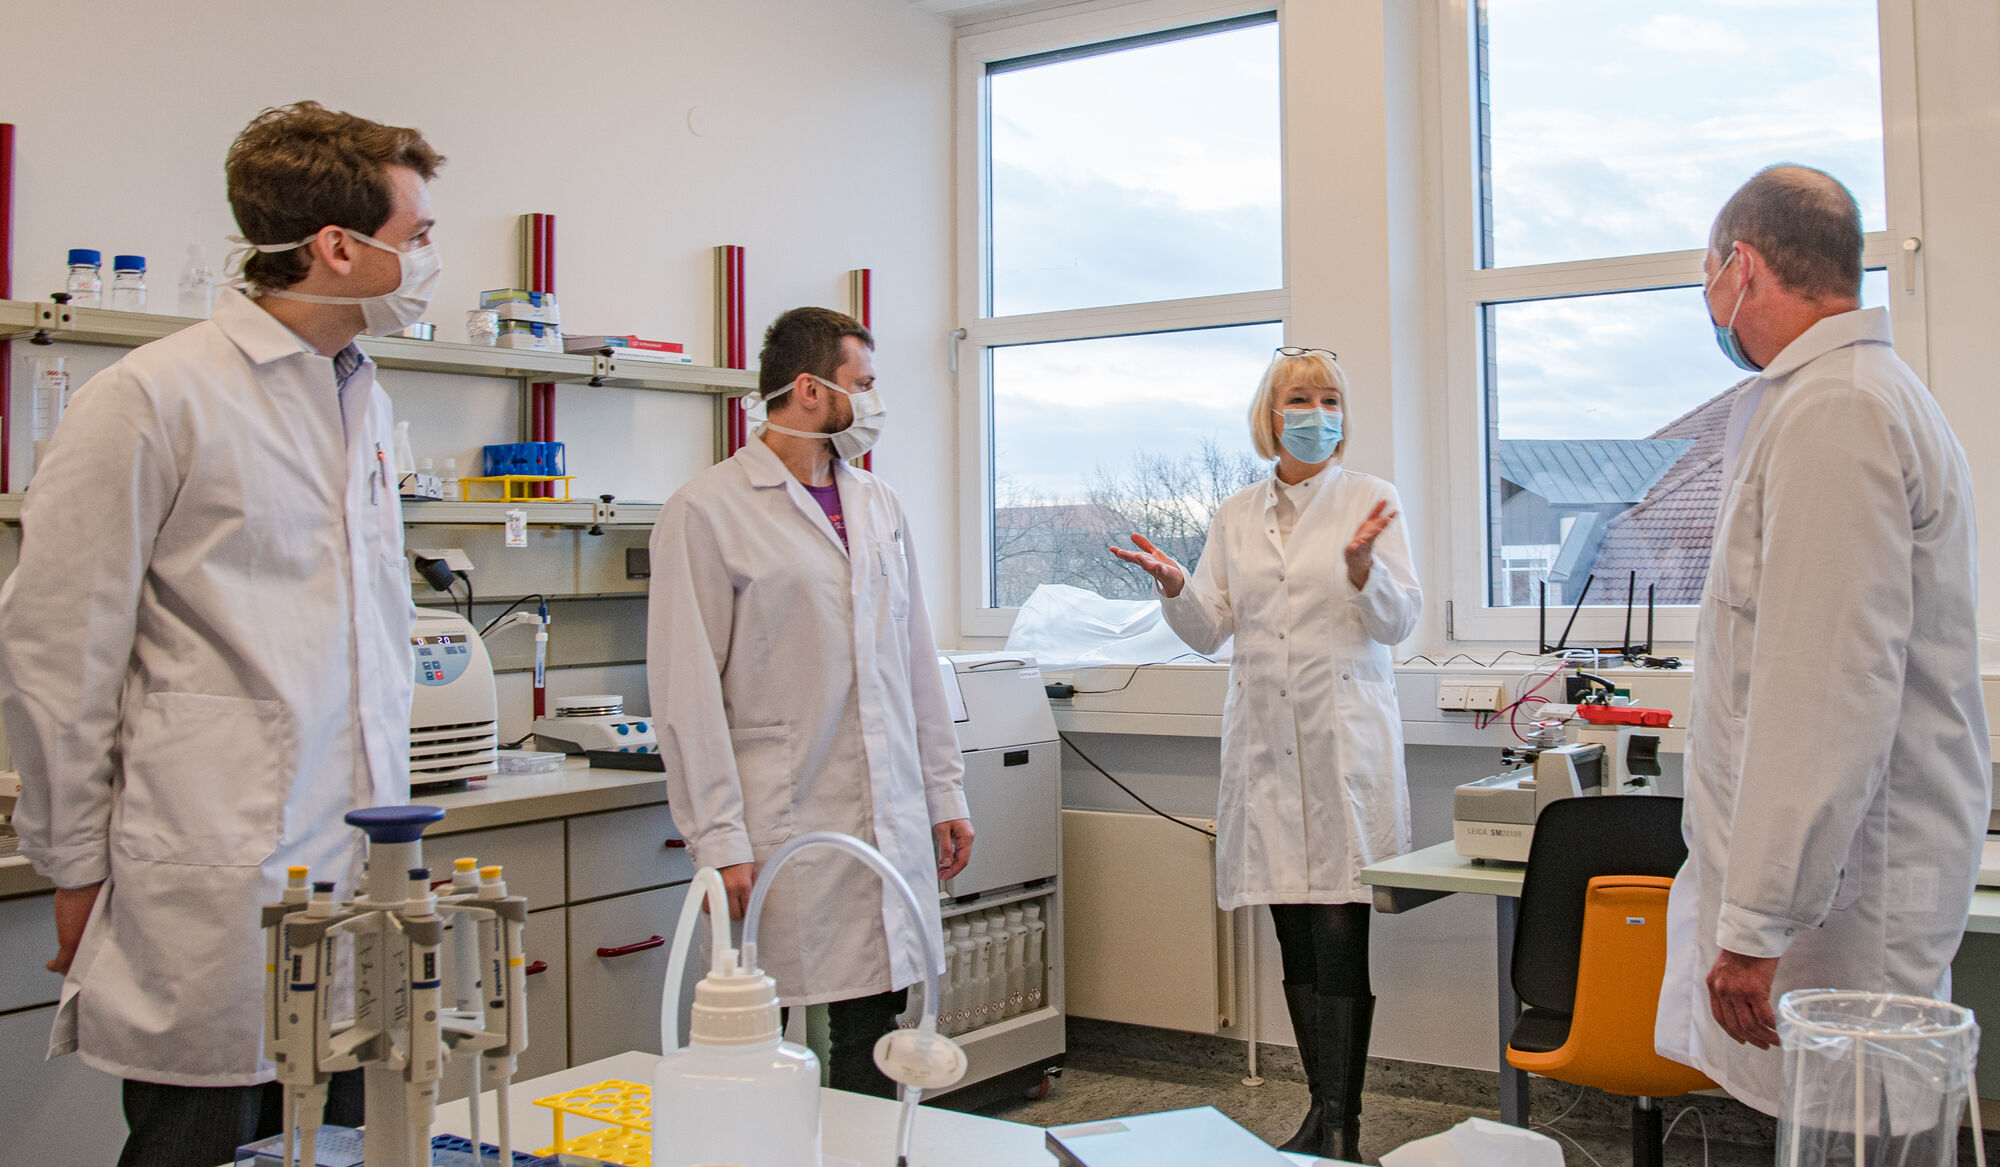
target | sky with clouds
x=1617, y=129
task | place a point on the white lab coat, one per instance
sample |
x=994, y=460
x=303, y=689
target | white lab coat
x=206, y=661
x=1838, y=765
x=795, y=687
x=1313, y=788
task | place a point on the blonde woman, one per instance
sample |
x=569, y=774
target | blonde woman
x=1311, y=574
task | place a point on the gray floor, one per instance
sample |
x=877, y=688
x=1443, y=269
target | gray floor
x=1115, y=1070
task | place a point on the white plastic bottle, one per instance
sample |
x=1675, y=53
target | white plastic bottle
x=996, y=988
x=982, y=973
x=50, y=398
x=737, y=1092
x=85, y=284
x=1017, y=955
x=197, y=284
x=449, y=472
x=128, y=284
x=961, y=989
x=1034, y=968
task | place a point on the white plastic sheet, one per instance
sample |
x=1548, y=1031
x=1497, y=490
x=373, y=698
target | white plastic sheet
x=1479, y=1142
x=1873, y=1078
x=1064, y=627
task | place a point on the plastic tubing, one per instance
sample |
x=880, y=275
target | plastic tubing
x=933, y=955
x=707, y=889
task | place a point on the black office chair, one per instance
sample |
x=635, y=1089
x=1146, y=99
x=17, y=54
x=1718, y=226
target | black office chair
x=1589, y=951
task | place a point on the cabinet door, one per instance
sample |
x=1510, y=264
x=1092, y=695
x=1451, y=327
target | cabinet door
x=53, y=1112
x=531, y=856
x=614, y=1000
x=27, y=938
x=625, y=850
x=1014, y=795
x=547, y=948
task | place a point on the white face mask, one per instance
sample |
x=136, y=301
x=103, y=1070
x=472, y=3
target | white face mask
x=859, y=436
x=390, y=312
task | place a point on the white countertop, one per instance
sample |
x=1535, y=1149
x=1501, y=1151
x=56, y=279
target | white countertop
x=502, y=800
x=852, y=1126
x=1443, y=869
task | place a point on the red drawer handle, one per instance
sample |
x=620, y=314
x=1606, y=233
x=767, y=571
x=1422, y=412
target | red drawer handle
x=629, y=949
x=677, y=844
x=539, y=966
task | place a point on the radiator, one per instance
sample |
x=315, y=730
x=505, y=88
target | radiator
x=1143, y=942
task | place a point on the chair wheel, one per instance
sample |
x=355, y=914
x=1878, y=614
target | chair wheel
x=1039, y=1090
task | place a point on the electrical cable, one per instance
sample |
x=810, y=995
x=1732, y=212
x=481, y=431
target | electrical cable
x=1698, y=1117
x=1551, y=1127
x=1127, y=789
x=510, y=611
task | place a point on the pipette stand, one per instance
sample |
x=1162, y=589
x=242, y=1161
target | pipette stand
x=404, y=1017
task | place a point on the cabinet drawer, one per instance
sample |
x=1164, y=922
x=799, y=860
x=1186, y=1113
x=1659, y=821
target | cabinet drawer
x=27, y=938
x=547, y=945
x=624, y=850
x=53, y=1112
x=615, y=1000
x=532, y=856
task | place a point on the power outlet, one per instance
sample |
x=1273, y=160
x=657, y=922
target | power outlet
x=1473, y=694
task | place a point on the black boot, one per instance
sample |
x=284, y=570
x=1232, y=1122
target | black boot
x=1303, y=1004
x=1345, y=1024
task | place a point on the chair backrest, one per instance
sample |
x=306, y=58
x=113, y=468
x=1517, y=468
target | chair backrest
x=1576, y=840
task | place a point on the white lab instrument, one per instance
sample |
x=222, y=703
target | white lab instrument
x=454, y=715
x=1013, y=787
x=735, y=1093
x=1494, y=818
x=595, y=723
x=404, y=1018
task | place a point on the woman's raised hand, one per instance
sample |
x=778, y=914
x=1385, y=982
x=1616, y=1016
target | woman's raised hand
x=1361, y=550
x=1156, y=563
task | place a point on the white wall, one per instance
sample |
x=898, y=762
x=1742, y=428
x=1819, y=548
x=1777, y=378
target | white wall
x=827, y=147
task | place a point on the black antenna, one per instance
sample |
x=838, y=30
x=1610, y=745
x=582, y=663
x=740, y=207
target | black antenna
x=1631, y=588
x=1649, y=619
x=1564, y=642
x=1542, y=619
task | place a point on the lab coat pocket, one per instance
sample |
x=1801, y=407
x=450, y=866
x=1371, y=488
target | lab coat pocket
x=764, y=770
x=1733, y=567
x=896, y=578
x=205, y=780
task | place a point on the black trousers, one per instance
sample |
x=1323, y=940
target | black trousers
x=201, y=1126
x=1325, y=946
x=852, y=1029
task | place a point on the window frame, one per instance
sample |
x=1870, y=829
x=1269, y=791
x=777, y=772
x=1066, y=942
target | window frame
x=1468, y=288
x=979, y=333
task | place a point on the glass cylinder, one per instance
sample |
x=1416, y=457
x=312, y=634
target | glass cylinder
x=1873, y=1079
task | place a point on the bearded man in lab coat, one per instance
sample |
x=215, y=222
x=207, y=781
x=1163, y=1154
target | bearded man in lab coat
x=795, y=687
x=1838, y=770
x=206, y=645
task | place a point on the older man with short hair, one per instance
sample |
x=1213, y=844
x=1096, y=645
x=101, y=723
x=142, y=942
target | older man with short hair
x=1838, y=768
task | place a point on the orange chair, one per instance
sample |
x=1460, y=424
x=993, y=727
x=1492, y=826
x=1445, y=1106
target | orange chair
x=1590, y=945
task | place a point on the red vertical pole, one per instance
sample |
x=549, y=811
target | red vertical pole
x=861, y=293
x=541, y=234
x=731, y=347
x=6, y=293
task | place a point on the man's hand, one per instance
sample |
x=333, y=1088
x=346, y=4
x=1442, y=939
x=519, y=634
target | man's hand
x=1739, y=994
x=954, y=846
x=72, y=913
x=737, y=879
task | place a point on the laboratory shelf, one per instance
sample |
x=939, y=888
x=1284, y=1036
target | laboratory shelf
x=128, y=329
x=490, y=514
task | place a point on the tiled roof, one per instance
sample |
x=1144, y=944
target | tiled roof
x=1665, y=538
x=1587, y=472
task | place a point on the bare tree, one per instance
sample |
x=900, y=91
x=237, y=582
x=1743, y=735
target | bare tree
x=1168, y=498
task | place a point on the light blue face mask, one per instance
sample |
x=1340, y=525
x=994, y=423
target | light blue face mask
x=1725, y=334
x=1310, y=435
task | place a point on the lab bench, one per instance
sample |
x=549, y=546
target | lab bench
x=594, y=851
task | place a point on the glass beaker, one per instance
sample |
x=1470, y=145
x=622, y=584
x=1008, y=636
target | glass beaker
x=1874, y=1079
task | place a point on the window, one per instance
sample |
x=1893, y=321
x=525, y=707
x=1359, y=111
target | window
x=1128, y=291
x=1595, y=144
